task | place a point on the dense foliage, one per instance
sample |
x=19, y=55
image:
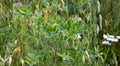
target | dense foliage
x=59, y=32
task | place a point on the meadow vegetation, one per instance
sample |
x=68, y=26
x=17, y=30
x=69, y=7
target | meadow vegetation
x=59, y=32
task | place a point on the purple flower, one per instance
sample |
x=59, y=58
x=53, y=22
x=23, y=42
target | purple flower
x=19, y=4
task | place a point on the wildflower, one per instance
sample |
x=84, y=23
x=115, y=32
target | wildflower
x=79, y=19
x=19, y=3
x=111, y=38
x=118, y=37
x=106, y=42
x=105, y=36
x=79, y=36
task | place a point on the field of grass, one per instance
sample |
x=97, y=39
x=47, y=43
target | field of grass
x=59, y=32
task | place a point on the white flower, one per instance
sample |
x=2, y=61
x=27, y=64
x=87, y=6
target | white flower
x=105, y=36
x=118, y=37
x=112, y=39
x=110, y=36
x=79, y=19
x=78, y=36
x=106, y=42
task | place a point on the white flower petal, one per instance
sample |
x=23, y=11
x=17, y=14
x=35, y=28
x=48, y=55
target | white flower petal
x=78, y=36
x=118, y=37
x=112, y=39
x=110, y=36
x=105, y=36
x=79, y=19
x=106, y=42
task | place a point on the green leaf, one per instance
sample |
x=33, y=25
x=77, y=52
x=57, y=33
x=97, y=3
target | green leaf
x=64, y=56
x=31, y=55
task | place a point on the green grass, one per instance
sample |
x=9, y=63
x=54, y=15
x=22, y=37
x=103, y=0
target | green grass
x=39, y=33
